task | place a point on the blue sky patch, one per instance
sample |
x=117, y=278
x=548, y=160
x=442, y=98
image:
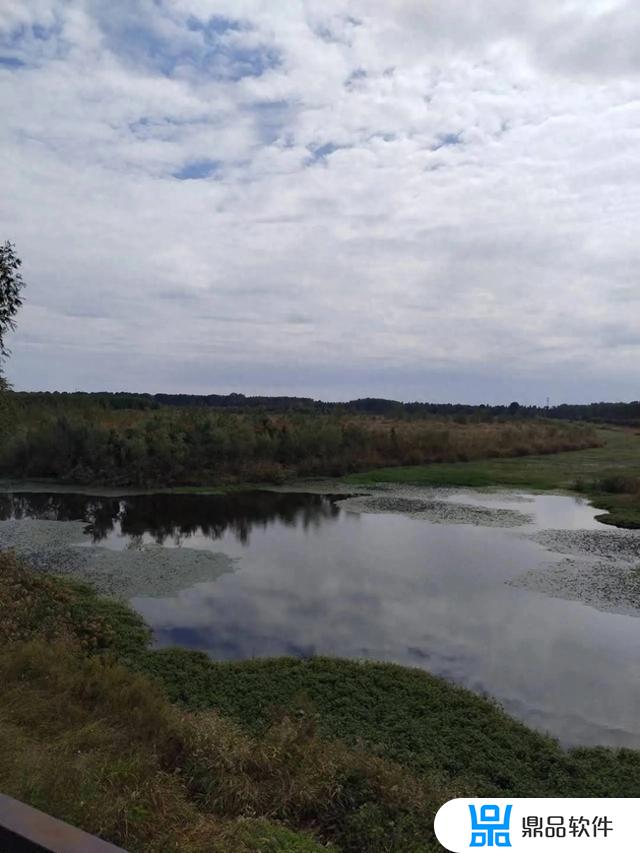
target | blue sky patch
x=216, y=25
x=249, y=62
x=26, y=45
x=197, y=170
x=446, y=139
x=11, y=62
x=18, y=36
x=213, y=47
x=320, y=153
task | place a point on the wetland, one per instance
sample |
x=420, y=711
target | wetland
x=523, y=597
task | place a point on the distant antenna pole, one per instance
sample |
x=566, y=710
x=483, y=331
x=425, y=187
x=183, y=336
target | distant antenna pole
x=547, y=402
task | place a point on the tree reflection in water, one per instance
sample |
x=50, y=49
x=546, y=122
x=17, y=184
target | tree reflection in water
x=173, y=517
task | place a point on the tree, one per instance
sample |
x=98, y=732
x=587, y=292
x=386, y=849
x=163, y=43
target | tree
x=11, y=284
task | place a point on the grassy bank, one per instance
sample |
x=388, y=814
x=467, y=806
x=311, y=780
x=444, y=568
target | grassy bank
x=609, y=475
x=167, y=750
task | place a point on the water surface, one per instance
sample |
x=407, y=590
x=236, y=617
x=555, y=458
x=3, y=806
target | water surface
x=313, y=578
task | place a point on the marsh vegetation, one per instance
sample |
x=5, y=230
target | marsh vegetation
x=608, y=473
x=81, y=440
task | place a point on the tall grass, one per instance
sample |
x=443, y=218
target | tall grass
x=96, y=745
x=172, y=446
x=101, y=747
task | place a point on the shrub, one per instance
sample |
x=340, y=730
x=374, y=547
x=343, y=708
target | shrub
x=170, y=446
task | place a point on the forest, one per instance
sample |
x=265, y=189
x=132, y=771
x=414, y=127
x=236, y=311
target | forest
x=125, y=440
x=603, y=412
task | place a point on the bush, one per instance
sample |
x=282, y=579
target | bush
x=138, y=447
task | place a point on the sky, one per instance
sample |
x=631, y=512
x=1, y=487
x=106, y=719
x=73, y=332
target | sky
x=417, y=200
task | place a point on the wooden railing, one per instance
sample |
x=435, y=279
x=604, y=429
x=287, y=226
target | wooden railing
x=27, y=830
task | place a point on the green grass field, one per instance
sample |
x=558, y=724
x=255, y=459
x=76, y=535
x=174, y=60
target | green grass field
x=586, y=471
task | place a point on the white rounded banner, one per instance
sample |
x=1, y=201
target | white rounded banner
x=567, y=824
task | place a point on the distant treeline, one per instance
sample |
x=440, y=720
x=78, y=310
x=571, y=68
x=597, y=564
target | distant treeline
x=612, y=413
x=620, y=413
x=83, y=439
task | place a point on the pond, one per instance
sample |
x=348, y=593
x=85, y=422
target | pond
x=450, y=582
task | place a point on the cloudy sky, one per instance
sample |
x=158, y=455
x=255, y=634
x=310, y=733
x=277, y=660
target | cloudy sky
x=422, y=200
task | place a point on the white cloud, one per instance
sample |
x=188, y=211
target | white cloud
x=445, y=199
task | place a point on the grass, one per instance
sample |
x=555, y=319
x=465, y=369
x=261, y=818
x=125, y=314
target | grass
x=168, y=751
x=446, y=734
x=89, y=741
x=35, y=604
x=597, y=472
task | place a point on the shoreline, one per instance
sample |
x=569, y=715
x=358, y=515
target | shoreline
x=600, y=569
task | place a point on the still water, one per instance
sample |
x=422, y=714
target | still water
x=311, y=577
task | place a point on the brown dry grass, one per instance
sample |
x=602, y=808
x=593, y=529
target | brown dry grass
x=100, y=747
